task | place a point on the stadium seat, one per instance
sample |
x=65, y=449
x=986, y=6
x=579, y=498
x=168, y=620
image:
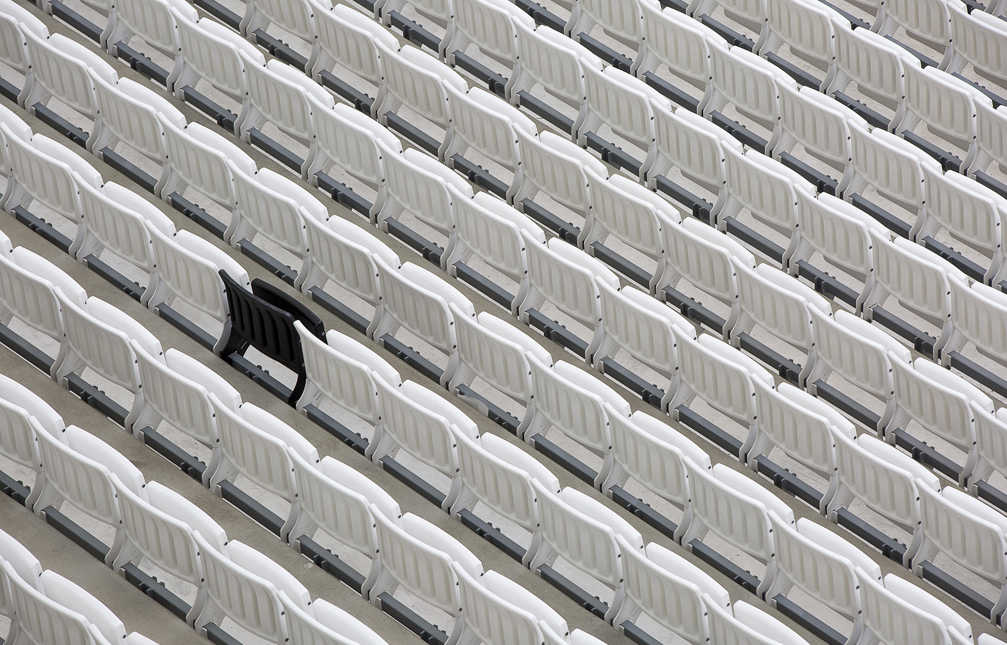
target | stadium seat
x=803, y=428
x=749, y=13
x=498, y=611
x=674, y=41
x=575, y=403
x=616, y=20
x=749, y=624
x=976, y=44
x=11, y=125
x=22, y=563
x=897, y=611
x=977, y=314
x=945, y=106
x=22, y=415
x=323, y=622
x=500, y=475
x=63, y=69
x=738, y=510
x=991, y=439
x=82, y=471
x=871, y=66
x=488, y=26
x=724, y=378
x=807, y=29
x=296, y=17
x=585, y=533
x=424, y=425
x=884, y=479
x=926, y=22
x=14, y=22
x=275, y=207
x=492, y=349
x=155, y=21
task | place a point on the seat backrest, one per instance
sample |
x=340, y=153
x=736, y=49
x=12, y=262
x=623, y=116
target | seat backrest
x=939, y=400
x=766, y=187
x=737, y=509
x=215, y=52
x=559, y=168
x=748, y=626
x=892, y=166
x=926, y=18
x=977, y=312
x=425, y=187
x=969, y=211
x=568, y=278
x=839, y=231
x=354, y=40
x=918, y=278
x=119, y=219
x=280, y=93
x=154, y=20
x=276, y=207
x=354, y=141
x=20, y=396
x=944, y=103
x=655, y=455
x=134, y=113
x=554, y=61
x=16, y=560
x=419, y=80
x=897, y=611
x=497, y=352
x=642, y=326
x=490, y=26
x=721, y=375
x=348, y=255
x=501, y=476
x=11, y=125
x=576, y=403
x=50, y=172
x=487, y=123
x=976, y=37
x=42, y=619
x=748, y=82
x=876, y=64
x=341, y=501
x=857, y=350
x=616, y=17
x=991, y=437
x=419, y=301
x=635, y=215
x=808, y=29
x=777, y=302
x=671, y=590
x=679, y=42
x=206, y=160
x=295, y=16
x=622, y=101
x=28, y=287
x=820, y=123
x=17, y=434
x=967, y=530
x=822, y=563
x=345, y=371
x=420, y=556
x=583, y=532
x=14, y=21
x=885, y=479
x=687, y=142
x=65, y=68
x=489, y=612
x=702, y=255
x=492, y=229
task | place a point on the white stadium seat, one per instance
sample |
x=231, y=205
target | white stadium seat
x=620, y=21
x=63, y=69
x=490, y=27
x=491, y=348
x=623, y=103
x=977, y=42
x=22, y=415
x=22, y=563
x=941, y=402
x=322, y=622
x=946, y=106
x=116, y=219
x=343, y=371
x=750, y=84
x=977, y=313
x=749, y=626
x=275, y=207
x=823, y=565
x=83, y=471
x=294, y=16
x=669, y=589
x=548, y=59
x=970, y=532
x=11, y=125
x=737, y=510
x=152, y=20
x=724, y=378
x=925, y=21
x=585, y=533
x=674, y=40
x=418, y=81
x=426, y=426
x=991, y=439
x=500, y=475
x=486, y=123
x=859, y=352
x=803, y=427
x=897, y=611
x=575, y=403
x=876, y=66
x=15, y=20
x=884, y=479
x=750, y=13
x=808, y=30
x=498, y=611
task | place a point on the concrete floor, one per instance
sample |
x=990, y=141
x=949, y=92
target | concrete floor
x=140, y=613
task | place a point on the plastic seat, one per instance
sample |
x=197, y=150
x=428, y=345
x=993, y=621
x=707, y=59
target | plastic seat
x=30, y=291
x=821, y=125
x=884, y=479
x=263, y=318
x=623, y=209
x=618, y=20
x=550, y=60
x=498, y=611
x=11, y=125
x=804, y=428
x=342, y=371
x=493, y=231
x=486, y=123
x=637, y=323
x=945, y=106
x=767, y=190
x=876, y=66
x=83, y=471
x=48, y=172
x=116, y=219
x=22, y=563
x=278, y=95
x=187, y=270
x=423, y=424
x=63, y=69
x=898, y=611
x=622, y=103
x=971, y=533
x=419, y=185
x=654, y=454
x=22, y=415
x=323, y=622
x=749, y=626
x=977, y=46
x=750, y=13
x=724, y=378
x=422, y=558
x=201, y=158
x=670, y=590
x=971, y=214
x=941, y=402
x=132, y=114
x=347, y=255
x=926, y=22
x=750, y=84
x=585, y=533
x=247, y=587
x=737, y=510
x=977, y=313
x=351, y=40
x=576, y=403
x=492, y=349
x=162, y=527
x=568, y=279
x=808, y=30
x=296, y=17
x=858, y=351
x=355, y=143
x=822, y=564
x=14, y=21
x=154, y=21
x=490, y=27
x=674, y=40
x=991, y=441
x=703, y=256
x=440, y=12
x=210, y=51
x=500, y=475
x=275, y=207
x=774, y=301
x=559, y=168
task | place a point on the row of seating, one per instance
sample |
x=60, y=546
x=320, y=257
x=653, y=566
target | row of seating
x=333, y=498
x=44, y=607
